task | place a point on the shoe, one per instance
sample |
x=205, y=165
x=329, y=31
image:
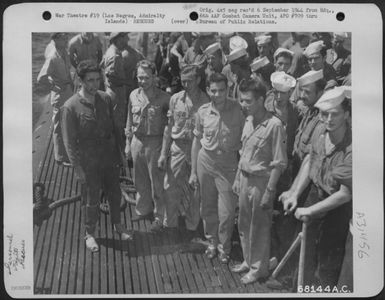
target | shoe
x=124, y=233
x=273, y=263
x=156, y=226
x=211, y=251
x=243, y=267
x=224, y=258
x=250, y=277
x=91, y=243
x=67, y=164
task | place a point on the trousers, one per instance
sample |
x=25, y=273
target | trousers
x=147, y=177
x=254, y=223
x=179, y=195
x=216, y=174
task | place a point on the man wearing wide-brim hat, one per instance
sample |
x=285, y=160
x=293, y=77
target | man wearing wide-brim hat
x=328, y=208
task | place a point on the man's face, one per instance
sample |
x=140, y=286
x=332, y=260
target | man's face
x=281, y=97
x=121, y=41
x=214, y=60
x=250, y=105
x=264, y=49
x=334, y=118
x=91, y=83
x=145, y=78
x=316, y=61
x=283, y=64
x=308, y=94
x=217, y=92
x=236, y=69
x=190, y=85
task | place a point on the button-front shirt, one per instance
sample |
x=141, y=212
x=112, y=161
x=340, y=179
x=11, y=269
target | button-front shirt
x=182, y=113
x=113, y=68
x=89, y=130
x=304, y=134
x=147, y=117
x=81, y=49
x=329, y=171
x=289, y=118
x=57, y=66
x=220, y=130
x=265, y=148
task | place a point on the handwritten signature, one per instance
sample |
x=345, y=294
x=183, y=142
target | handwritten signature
x=16, y=255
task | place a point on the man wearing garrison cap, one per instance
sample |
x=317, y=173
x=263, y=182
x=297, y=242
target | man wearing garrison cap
x=262, y=69
x=328, y=206
x=215, y=57
x=55, y=74
x=282, y=59
x=264, y=46
x=175, y=155
x=338, y=56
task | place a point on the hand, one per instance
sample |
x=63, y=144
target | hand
x=236, y=187
x=284, y=196
x=268, y=199
x=303, y=214
x=290, y=203
x=193, y=181
x=80, y=174
x=127, y=151
x=162, y=162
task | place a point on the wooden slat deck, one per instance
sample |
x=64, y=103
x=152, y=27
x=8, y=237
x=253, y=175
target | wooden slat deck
x=151, y=264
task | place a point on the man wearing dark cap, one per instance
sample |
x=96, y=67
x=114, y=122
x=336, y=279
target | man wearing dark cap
x=56, y=74
x=338, y=56
x=175, y=156
x=115, y=78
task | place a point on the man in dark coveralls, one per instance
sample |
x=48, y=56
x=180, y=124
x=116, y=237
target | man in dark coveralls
x=328, y=206
x=92, y=142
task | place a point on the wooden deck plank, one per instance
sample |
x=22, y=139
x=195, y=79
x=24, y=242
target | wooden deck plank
x=69, y=234
x=197, y=274
x=204, y=272
x=133, y=256
x=152, y=266
x=141, y=266
x=110, y=255
x=47, y=252
x=176, y=288
x=103, y=255
x=126, y=263
x=75, y=267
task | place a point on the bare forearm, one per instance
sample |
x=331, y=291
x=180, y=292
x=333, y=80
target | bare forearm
x=302, y=180
x=333, y=201
x=166, y=141
x=274, y=176
x=196, y=145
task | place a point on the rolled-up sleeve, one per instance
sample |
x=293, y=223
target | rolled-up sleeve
x=114, y=70
x=279, y=145
x=69, y=132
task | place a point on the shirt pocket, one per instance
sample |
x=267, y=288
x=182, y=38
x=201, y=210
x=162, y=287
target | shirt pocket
x=136, y=114
x=88, y=124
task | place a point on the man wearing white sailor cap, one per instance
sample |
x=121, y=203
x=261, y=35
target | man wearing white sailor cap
x=277, y=102
x=262, y=69
x=282, y=59
x=328, y=206
x=338, y=56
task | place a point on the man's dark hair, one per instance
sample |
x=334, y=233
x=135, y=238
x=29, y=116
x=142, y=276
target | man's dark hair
x=347, y=105
x=216, y=77
x=87, y=66
x=284, y=54
x=243, y=62
x=254, y=86
x=146, y=64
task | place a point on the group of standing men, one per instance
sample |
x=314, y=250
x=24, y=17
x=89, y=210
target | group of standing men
x=222, y=121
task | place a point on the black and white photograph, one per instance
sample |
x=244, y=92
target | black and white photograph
x=192, y=163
